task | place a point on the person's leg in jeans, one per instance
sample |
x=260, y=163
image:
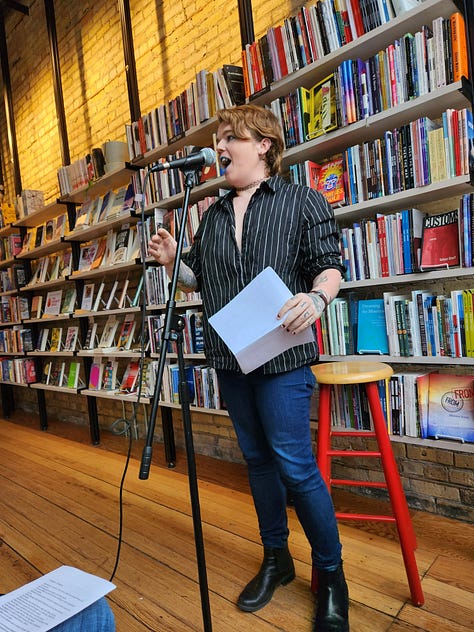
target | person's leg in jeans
x=270, y=415
x=98, y=617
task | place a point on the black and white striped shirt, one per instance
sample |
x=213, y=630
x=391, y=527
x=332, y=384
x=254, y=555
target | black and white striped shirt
x=288, y=227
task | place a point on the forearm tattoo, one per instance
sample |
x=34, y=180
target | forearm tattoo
x=186, y=280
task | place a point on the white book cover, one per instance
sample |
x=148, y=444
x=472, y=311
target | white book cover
x=107, y=338
x=87, y=297
x=52, y=305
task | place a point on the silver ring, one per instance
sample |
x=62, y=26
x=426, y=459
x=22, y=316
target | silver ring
x=305, y=315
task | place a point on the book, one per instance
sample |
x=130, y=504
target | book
x=109, y=375
x=127, y=330
x=73, y=374
x=60, y=226
x=111, y=297
x=90, y=339
x=36, y=306
x=69, y=301
x=83, y=215
x=54, y=267
x=55, y=341
x=321, y=108
x=64, y=264
x=52, y=304
x=70, y=340
x=107, y=338
x=56, y=373
x=98, y=297
x=122, y=239
x=451, y=407
x=123, y=295
x=100, y=253
x=129, y=378
x=95, y=374
x=87, y=297
x=88, y=252
x=440, y=241
x=460, y=62
x=371, y=328
x=331, y=180
x=45, y=373
x=234, y=78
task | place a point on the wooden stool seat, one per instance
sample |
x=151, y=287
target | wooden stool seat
x=357, y=372
x=367, y=374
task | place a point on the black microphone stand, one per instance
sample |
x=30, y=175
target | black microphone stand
x=173, y=330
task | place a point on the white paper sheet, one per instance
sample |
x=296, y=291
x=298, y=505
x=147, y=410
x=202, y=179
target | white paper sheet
x=249, y=326
x=51, y=599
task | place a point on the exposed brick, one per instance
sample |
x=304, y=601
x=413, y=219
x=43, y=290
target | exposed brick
x=424, y=453
x=463, y=459
x=436, y=490
x=435, y=472
x=462, y=477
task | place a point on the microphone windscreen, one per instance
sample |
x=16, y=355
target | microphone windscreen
x=209, y=156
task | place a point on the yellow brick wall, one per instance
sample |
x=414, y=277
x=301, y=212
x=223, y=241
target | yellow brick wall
x=173, y=40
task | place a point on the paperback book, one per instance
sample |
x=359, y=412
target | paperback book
x=440, y=241
x=451, y=407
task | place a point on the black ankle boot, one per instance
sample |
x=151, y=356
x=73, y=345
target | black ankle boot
x=277, y=569
x=332, y=610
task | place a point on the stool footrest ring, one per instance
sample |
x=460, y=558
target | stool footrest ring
x=346, y=481
x=354, y=516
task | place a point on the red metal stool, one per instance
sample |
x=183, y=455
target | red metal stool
x=367, y=373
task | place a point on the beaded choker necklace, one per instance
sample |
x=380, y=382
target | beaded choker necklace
x=250, y=186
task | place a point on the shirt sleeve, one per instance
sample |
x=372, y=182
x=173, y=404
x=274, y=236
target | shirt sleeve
x=192, y=258
x=320, y=238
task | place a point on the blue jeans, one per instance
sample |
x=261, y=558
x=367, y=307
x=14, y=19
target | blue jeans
x=270, y=415
x=98, y=617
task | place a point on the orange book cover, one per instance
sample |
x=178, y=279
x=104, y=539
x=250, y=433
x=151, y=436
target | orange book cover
x=246, y=74
x=459, y=47
x=331, y=182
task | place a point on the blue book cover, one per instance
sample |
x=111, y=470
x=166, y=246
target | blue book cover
x=406, y=241
x=371, y=328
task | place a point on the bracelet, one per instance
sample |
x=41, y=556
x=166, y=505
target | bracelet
x=322, y=294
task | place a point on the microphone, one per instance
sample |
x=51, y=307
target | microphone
x=205, y=157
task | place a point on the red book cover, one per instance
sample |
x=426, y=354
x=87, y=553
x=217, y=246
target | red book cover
x=440, y=241
x=456, y=144
x=382, y=233
x=319, y=336
x=141, y=135
x=346, y=26
x=354, y=7
x=281, y=51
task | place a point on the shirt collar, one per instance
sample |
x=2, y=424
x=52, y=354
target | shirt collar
x=273, y=184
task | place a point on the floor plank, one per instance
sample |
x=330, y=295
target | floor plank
x=59, y=504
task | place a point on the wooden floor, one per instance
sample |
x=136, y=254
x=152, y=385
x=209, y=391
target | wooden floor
x=59, y=504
